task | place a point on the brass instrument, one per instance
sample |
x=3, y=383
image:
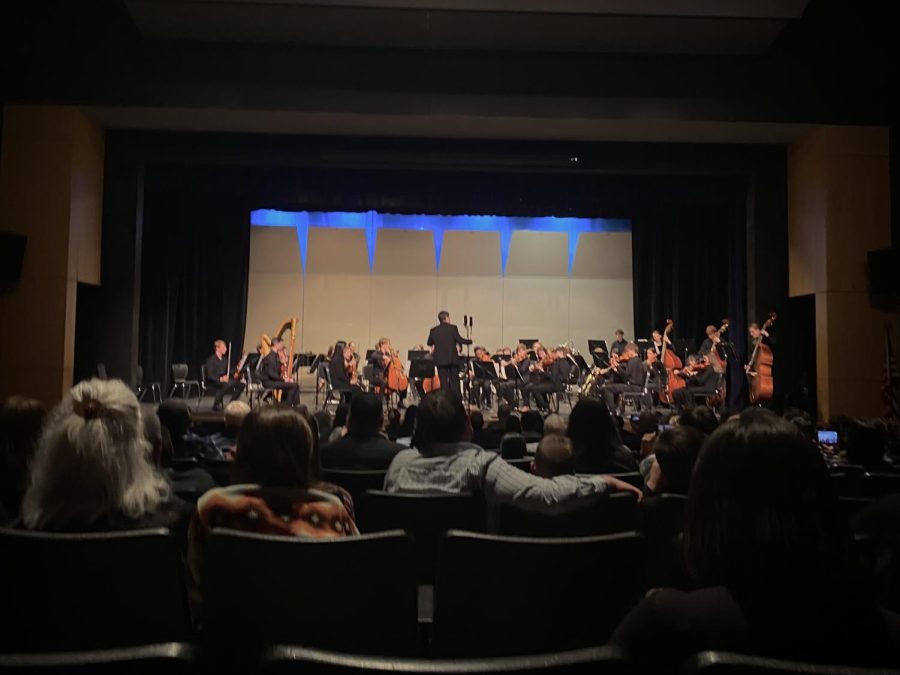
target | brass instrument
x=266, y=346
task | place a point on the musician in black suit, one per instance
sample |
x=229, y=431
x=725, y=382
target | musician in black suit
x=444, y=338
x=630, y=378
x=270, y=373
x=696, y=382
x=218, y=378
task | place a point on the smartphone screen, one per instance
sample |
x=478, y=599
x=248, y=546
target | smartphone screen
x=828, y=437
x=663, y=427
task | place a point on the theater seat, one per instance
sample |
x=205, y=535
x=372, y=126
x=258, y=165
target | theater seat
x=425, y=516
x=725, y=663
x=501, y=596
x=354, y=594
x=170, y=658
x=282, y=660
x=91, y=591
x=615, y=513
x=356, y=482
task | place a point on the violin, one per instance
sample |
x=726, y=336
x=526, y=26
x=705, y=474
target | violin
x=485, y=356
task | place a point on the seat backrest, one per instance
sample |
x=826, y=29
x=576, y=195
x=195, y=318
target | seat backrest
x=168, y=658
x=203, y=374
x=523, y=463
x=139, y=375
x=86, y=591
x=726, y=663
x=426, y=517
x=615, y=513
x=880, y=484
x=284, y=660
x=664, y=527
x=355, y=482
x=179, y=372
x=101, y=371
x=353, y=594
x=500, y=596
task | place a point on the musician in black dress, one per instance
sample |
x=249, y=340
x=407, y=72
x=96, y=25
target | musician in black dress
x=342, y=370
x=218, y=377
x=445, y=339
x=272, y=377
x=629, y=378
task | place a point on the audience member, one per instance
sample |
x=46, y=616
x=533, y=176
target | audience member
x=274, y=464
x=189, y=482
x=772, y=559
x=554, y=425
x=636, y=434
x=674, y=454
x=595, y=440
x=323, y=425
x=235, y=412
x=864, y=442
x=443, y=461
x=700, y=417
x=513, y=446
x=339, y=427
x=392, y=430
x=504, y=410
x=532, y=426
x=175, y=417
x=363, y=447
x=513, y=425
x=408, y=427
x=92, y=469
x=553, y=457
x=479, y=433
x=21, y=421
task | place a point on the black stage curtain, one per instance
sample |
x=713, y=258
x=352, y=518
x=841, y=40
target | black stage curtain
x=689, y=265
x=196, y=251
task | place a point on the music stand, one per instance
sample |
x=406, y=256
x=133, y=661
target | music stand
x=643, y=344
x=593, y=345
x=420, y=369
x=416, y=354
x=580, y=362
x=529, y=342
x=314, y=364
x=532, y=355
x=599, y=353
x=497, y=358
x=369, y=353
x=484, y=370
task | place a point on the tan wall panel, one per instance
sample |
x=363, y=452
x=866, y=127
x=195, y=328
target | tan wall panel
x=538, y=254
x=275, y=286
x=597, y=308
x=536, y=307
x=336, y=307
x=274, y=250
x=480, y=297
x=85, y=216
x=404, y=253
x=603, y=255
x=334, y=251
x=471, y=254
x=403, y=309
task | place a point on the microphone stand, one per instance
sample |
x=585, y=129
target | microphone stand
x=467, y=324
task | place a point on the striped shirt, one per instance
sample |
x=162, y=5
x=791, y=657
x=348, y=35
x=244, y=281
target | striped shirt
x=464, y=467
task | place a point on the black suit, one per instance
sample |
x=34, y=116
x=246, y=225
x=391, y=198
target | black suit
x=703, y=382
x=270, y=374
x=444, y=337
x=216, y=367
x=632, y=376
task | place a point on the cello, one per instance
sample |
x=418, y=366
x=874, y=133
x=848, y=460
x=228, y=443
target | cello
x=671, y=363
x=759, y=368
x=396, y=373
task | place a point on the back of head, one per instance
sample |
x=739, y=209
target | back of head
x=92, y=461
x=592, y=429
x=274, y=448
x=554, y=457
x=700, y=417
x=340, y=414
x=647, y=423
x=676, y=451
x=175, y=416
x=21, y=421
x=443, y=316
x=409, y=421
x=504, y=410
x=532, y=422
x=513, y=425
x=864, y=442
x=477, y=420
x=554, y=424
x=323, y=424
x=513, y=446
x=235, y=412
x=441, y=419
x=761, y=510
x=366, y=415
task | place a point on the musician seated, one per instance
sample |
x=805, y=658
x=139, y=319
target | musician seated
x=380, y=361
x=549, y=376
x=630, y=375
x=505, y=387
x=480, y=387
x=272, y=374
x=699, y=379
x=218, y=378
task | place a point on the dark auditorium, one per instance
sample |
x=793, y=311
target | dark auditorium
x=449, y=336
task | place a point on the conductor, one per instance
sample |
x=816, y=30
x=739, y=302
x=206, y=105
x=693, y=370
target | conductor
x=444, y=337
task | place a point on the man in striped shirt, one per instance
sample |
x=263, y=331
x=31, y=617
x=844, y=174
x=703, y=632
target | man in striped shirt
x=444, y=461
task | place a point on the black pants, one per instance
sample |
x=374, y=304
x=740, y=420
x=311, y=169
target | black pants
x=506, y=389
x=290, y=391
x=611, y=390
x=480, y=392
x=233, y=387
x=449, y=376
x=539, y=391
x=684, y=397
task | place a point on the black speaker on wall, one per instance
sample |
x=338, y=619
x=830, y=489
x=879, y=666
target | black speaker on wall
x=884, y=280
x=12, y=253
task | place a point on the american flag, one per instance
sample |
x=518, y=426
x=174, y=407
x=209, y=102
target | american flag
x=889, y=384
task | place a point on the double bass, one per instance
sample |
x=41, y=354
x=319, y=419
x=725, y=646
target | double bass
x=759, y=368
x=715, y=360
x=671, y=363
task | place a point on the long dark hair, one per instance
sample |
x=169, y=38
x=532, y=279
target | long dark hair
x=593, y=431
x=275, y=448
